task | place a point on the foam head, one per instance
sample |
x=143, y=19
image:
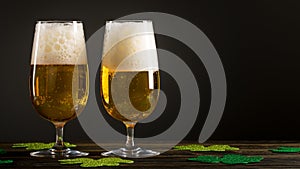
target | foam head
x=59, y=43
x=129, y=46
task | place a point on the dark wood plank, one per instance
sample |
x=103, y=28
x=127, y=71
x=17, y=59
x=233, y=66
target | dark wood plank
x=169, y=159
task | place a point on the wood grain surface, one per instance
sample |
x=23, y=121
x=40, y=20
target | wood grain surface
x=169, y=159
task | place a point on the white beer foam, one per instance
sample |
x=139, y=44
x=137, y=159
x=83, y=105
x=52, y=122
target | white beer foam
x=129, y=46
x=59, y=43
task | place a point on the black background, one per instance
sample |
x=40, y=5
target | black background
x=257, y=40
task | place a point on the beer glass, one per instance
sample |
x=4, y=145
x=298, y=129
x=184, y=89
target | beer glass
x=59, y=78
x=129, y=78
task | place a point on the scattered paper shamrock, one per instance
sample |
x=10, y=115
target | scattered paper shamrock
x=206, y=159
x=197, y=147
x=228, y=159
x=38, y=145
x=2, y=151
x=6, y=161
x=240, y=159
x=286, y=150
x=89, y=162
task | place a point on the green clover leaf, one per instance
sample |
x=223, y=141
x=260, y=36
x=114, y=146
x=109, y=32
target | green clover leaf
x=206, y=159
x=197, y=147
x=6, y=161
x=286, y=150
x=39, y=145
x=2, y=151
x=228, y=159
x=89, y=162
x=240, y=159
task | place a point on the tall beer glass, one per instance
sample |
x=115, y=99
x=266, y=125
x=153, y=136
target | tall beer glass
x=129, y=78
x=59, y=78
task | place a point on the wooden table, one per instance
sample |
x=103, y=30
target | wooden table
x=170, y=159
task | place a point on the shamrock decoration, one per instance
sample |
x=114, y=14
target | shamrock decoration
x=2, y=151
x=228, y=159
x=206, y=159
x=38, y=145
x=286, y=150
x=6, y=161
x=240, y=159
x=197, y=147
x=89, y=162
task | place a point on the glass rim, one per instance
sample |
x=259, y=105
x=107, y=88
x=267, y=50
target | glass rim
x=58, y=21
x=129, y=20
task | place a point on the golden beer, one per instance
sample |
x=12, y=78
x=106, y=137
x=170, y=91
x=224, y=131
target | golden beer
x=59, y=92
x=136, y=93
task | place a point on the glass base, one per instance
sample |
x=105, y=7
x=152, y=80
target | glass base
x=52, y=153
x=135, y=153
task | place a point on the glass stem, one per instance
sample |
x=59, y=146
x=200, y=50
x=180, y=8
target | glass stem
x=59, y=143
x=130, y=135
